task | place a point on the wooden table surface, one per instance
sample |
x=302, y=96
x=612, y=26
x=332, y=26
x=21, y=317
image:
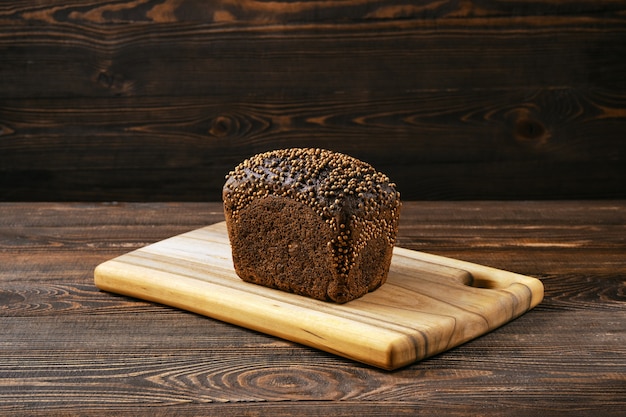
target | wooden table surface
x=68, y=349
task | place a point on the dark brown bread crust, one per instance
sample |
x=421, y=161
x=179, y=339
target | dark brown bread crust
x=311, y=222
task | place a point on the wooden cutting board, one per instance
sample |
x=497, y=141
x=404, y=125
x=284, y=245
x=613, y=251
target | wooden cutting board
x=429, y=303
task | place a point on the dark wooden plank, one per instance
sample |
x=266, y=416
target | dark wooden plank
x=537, y=238
x=199, y=360
x=502, y=144
x=41, y=246
x=292, y=48
x=327, y=61
x=68, y=348
x=156, y=100
x=532, y=238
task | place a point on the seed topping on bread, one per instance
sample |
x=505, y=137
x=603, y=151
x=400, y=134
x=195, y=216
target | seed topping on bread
x=345, y=192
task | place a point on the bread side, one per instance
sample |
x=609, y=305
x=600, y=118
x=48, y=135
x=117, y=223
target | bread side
x=312, y=222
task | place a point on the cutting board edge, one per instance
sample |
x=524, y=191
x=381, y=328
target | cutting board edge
x=390, y=352
x=483, y=274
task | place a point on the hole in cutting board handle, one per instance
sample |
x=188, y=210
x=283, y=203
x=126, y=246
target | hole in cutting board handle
x=466, y=277
x=485, y=283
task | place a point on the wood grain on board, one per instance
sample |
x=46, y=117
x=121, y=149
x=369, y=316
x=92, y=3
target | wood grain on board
x=429, y=303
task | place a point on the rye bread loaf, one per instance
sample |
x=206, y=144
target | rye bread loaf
x=311, y=222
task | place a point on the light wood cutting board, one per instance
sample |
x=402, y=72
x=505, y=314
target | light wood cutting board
x=429, y=303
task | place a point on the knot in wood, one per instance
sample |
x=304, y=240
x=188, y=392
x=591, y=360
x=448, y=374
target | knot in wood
x=221, y=126
x=531, y=132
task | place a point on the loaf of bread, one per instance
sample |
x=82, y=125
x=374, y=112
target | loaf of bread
x=311, y=222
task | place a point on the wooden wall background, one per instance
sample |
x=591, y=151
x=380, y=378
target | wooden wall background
x=159, y=99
